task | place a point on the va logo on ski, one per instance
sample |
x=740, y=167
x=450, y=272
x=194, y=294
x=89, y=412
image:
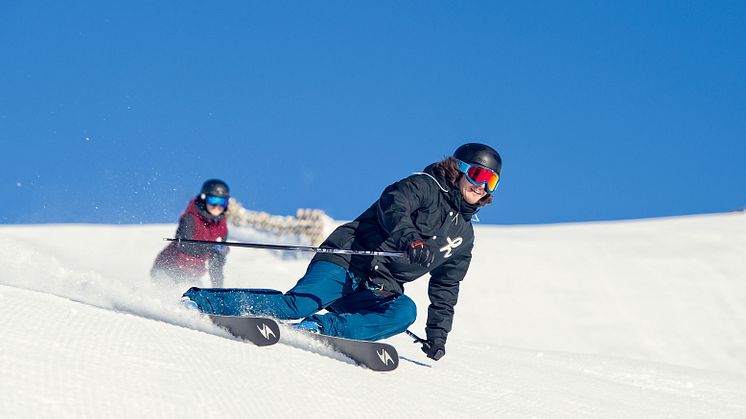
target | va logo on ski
x=266, y=331
x=385, y=357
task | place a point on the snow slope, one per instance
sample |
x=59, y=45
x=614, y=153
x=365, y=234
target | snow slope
x=599, y=320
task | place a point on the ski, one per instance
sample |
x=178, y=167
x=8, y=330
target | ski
x=260, y=331
x=376, y=356
x=263, y=331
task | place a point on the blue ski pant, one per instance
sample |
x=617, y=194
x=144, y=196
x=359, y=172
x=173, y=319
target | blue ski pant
x=353, y=310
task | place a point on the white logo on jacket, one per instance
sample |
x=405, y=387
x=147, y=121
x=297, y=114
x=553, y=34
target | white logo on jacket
x=452, y=244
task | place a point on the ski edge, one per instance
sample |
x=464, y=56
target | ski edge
x=381, y=357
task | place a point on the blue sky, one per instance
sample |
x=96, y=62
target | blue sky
x=115, y=112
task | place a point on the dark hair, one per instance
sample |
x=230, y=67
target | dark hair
x=448, y=168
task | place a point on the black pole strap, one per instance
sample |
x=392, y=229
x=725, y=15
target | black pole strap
x=418, y=339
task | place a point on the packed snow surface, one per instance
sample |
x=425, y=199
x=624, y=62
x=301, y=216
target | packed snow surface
x=633, y=319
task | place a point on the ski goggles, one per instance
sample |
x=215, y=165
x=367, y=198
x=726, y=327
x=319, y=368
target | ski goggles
x=217, y=201
x=479, y=175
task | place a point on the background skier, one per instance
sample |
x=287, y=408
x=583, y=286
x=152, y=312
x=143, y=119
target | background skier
x=203, y=219
x=426, y=215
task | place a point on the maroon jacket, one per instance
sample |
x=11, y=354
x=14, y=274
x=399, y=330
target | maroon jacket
x=189, y=259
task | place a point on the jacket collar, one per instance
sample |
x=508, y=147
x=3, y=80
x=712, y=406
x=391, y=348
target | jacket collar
x=199, y=208
x=452, y=194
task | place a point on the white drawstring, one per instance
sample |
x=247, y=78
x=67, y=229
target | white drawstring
x=455, y=218
x=433, y=178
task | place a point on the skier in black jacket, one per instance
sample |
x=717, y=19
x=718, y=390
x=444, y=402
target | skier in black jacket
x=426, y=215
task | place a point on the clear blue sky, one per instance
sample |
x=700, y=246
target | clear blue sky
x=115, y=112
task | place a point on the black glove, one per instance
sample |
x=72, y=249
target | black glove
x=420, y=253
x=434, y=348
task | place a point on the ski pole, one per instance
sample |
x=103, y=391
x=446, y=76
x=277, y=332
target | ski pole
x=293, y=247
x=418, y=339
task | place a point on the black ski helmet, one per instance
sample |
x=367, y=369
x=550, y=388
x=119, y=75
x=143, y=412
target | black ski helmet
x=214, y=187
x=481, y=154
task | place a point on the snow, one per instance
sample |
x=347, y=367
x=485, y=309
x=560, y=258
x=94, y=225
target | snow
x=642, y=318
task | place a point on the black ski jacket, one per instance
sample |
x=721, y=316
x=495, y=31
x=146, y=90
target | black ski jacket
x=420, y=207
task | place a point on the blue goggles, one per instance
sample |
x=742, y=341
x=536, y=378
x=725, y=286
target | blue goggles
x=217, y=201
x=480, y=175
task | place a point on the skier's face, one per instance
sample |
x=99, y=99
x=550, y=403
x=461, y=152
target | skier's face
x=471, y=193
x=215, y=210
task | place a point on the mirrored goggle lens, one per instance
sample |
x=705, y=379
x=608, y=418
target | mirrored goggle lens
x=480, y=175
x=217, y=200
